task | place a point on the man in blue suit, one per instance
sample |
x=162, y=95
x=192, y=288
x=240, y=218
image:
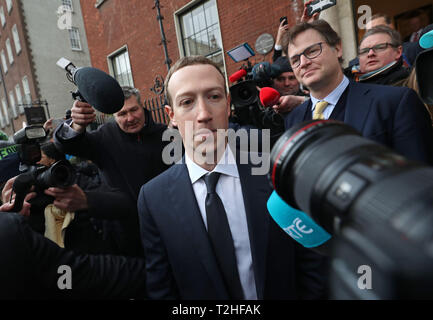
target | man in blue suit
x=393, y=116
x=205, y=240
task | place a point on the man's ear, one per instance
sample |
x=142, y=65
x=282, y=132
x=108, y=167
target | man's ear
x=169, y=110
x=399, y=52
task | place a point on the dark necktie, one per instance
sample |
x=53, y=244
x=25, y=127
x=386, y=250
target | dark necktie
x=221, y=238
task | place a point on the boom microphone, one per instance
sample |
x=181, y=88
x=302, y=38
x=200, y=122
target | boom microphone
x=97, y=88
x=269, y=96
x=237, y=75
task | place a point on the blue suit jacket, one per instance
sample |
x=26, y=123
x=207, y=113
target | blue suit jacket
x=179, y=260
x=392, y=116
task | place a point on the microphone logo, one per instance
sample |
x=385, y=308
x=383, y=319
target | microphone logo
x=296, y=229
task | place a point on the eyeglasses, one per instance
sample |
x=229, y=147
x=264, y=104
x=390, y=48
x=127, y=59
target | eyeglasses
x=377, y=48
x=311, y=52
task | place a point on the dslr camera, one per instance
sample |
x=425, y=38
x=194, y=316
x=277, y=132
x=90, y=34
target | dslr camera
x=61, y=174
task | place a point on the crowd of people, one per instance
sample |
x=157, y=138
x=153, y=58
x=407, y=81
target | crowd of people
x=133, y=226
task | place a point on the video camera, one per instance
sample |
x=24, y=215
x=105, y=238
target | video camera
x=246, y=105
x=60, y=174
x=377, y=205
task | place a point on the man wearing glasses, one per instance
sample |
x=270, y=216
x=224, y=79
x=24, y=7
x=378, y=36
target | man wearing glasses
x=393, y=116
x=380, y=58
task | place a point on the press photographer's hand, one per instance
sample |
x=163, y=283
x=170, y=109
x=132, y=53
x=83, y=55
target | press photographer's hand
x=9, y=201
x=70, y=199
x=82, y=115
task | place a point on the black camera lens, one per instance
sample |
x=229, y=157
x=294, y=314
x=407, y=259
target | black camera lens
x=245, y=93
x=328, y=170
x=61, y=174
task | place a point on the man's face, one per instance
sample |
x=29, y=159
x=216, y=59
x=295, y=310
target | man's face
x=286, y=84
x=318, y=72
x=130, y=118
x=45, y=160
x=378, y=58
x=199, y=106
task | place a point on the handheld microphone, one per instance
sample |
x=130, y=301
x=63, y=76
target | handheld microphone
x=269, y=96
x=295, y=223
x=237, y=75
x=96, y=87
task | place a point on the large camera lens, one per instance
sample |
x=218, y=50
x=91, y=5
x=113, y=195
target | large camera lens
x=61, y=175
x=378, y=206
x=244, y=94
x=326, y=169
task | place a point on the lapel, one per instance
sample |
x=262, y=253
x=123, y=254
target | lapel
x=188, y=215
x=256, y=191
x=358, y=106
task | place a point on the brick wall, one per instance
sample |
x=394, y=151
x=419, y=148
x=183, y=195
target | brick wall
x=133, y=22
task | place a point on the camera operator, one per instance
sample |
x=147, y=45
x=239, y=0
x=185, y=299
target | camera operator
x=82, y=217
x=287, y=86
x=393, y=116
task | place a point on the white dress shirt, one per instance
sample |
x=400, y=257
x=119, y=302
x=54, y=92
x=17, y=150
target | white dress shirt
x=331, y=98
x=229, y=190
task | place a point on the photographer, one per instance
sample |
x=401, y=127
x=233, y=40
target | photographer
x=84, y=217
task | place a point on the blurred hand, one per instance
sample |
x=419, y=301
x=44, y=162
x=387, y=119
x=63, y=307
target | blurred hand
x=282, y=31
x=82, y=115
x=70, y=199
x=288, y=103
x=8, y=202
x=305, y=17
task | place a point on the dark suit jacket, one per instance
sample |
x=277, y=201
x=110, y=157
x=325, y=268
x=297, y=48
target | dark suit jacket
x=392, y=116
x=179, y=258
x=29, y=268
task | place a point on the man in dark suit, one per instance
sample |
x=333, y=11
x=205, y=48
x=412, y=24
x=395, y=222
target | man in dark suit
x=392, y=116
x=203, y=241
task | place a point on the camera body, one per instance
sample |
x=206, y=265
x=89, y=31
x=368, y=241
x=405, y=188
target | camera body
x=246, y=105
x=60, y=174
x=377, y=205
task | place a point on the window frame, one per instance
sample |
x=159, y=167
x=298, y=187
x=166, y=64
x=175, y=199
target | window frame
x=16, y=37
x=71, y=31
x=111, y=67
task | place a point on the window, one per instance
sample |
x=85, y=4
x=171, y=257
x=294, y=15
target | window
x=16, y=39
x=9, y=50
x=9, y=5
x=12, y=103
x=2, y=16
x=4, y=64
x=74, y=37
x=19, y=98
x=67, y=4
x=200, y=32
x=26, y=88
x=122, y=68
x=5, y=110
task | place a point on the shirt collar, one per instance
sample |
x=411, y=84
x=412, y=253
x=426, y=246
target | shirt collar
x=226, y=165
x=334, y=96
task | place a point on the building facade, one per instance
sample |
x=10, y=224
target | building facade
x=34, y=35
x=125, y=38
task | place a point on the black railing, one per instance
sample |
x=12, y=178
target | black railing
x=156, y=108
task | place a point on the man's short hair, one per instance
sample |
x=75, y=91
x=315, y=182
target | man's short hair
x=184, y=62
x=393, y=34
x=386, y=17
x=128, y=92
x=52, y=152
x=322, y=27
